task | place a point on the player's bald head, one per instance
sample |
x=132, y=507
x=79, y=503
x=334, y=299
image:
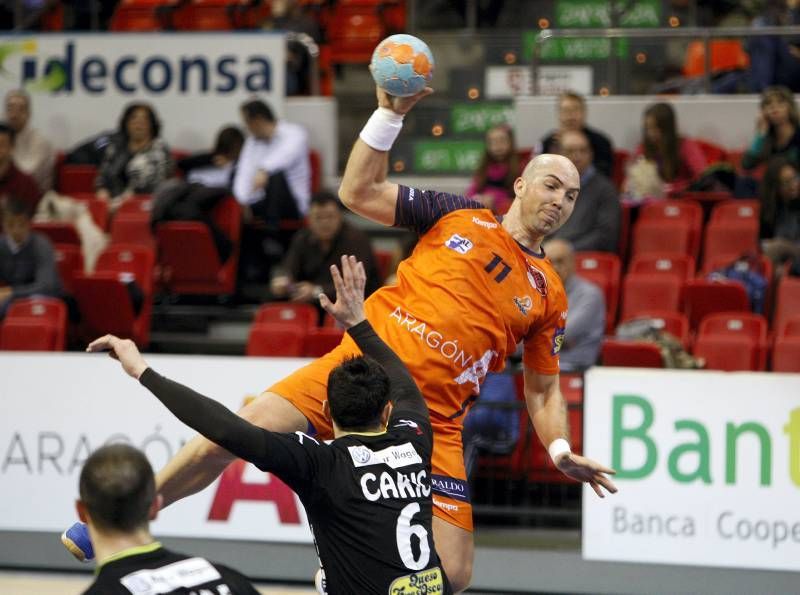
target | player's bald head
x=551, y=164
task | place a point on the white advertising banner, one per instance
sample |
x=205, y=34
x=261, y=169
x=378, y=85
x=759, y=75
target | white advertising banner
x=58, y=408
x=503, y=82
x=708, y=468
x=80, y=83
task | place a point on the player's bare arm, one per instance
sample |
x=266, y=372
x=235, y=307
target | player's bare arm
x=364, y=188
x=548, y=411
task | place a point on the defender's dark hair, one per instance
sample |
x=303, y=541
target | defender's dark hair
x=358, y=390
x=117, y=487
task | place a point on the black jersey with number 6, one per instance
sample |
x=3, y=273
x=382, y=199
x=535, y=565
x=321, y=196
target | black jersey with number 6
x=367, y=495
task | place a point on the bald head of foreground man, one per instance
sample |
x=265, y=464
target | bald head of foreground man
x=545, y=198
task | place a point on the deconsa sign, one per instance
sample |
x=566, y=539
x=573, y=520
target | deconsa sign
x=80, y=83
x=149, y=70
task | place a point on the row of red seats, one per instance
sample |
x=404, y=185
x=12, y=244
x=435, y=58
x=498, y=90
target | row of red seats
x=187, y=258
x=290, y=330
x=103, y=300
x=730, y=341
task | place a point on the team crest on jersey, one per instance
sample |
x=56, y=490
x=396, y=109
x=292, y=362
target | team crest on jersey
x=537, y=279
x=523, y=304
x=459, y=244
x=558, y=339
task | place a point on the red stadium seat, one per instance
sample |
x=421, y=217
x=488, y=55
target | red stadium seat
x=713, y=152
x=736, y=210
x=682, y=265
x=58, y=233
x=137, y=204
x=625, y=231
x=631, y=354
x=320, y=341
x=662, y=237
x=69, y=260
x=28, y=334
x=276, y=339
x=790, y=327
x=205, y=15
x=730, y=239
x=675, y=323
x=353, y=33
x=786, y=355
x=787, y=303
x=304, y=315
x=49, y=311
x=189, y=259
x=104, y=299
x=602, y=269
x=645, y=292
x=132, y=229
x=702, y=297
x=141, y=15
x=315, y=160
x=618, y=172
x=672, y=212
x=72, y=179
x=738, y=324
x=728, y=353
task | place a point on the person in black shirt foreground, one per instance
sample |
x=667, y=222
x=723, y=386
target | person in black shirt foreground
x=367, y=493
x=117, y=499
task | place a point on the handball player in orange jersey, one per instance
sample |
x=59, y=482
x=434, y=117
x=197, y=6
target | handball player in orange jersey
x=473, y=288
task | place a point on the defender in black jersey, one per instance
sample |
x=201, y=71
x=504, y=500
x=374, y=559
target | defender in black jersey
x=117, y=498
x=368, y=492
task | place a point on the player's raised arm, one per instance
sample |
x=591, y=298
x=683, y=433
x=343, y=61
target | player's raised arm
x=349, y=311
x=364, y=188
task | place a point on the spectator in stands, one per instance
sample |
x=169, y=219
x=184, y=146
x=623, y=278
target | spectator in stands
x=777, y=129
x=587, y=311
x=305, y=271
x=775, y=60
x=273, y=178
x=136, y=160
x=679, y=160
x=208, y=180
x=13, y=181
x=780, y=211
x=33, y=153
x=27, y=260
x=493, y=183
x=595, y=222
x=215, y=168
x=572, y=116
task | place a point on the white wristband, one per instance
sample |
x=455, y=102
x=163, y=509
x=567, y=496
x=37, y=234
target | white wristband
x=382, y=129
x=558, y=447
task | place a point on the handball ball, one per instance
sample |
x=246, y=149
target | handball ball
x=402, y=65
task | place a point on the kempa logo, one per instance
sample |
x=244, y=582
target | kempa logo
x=70, y=71
x=697, y=448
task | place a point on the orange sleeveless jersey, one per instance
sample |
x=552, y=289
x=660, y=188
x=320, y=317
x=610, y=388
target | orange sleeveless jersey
x=463, y=300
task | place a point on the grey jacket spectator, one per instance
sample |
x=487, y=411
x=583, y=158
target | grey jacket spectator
x=587, y=311
x=33, y=153
x=27, y=260
x=137, y=159
x=595, y=221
